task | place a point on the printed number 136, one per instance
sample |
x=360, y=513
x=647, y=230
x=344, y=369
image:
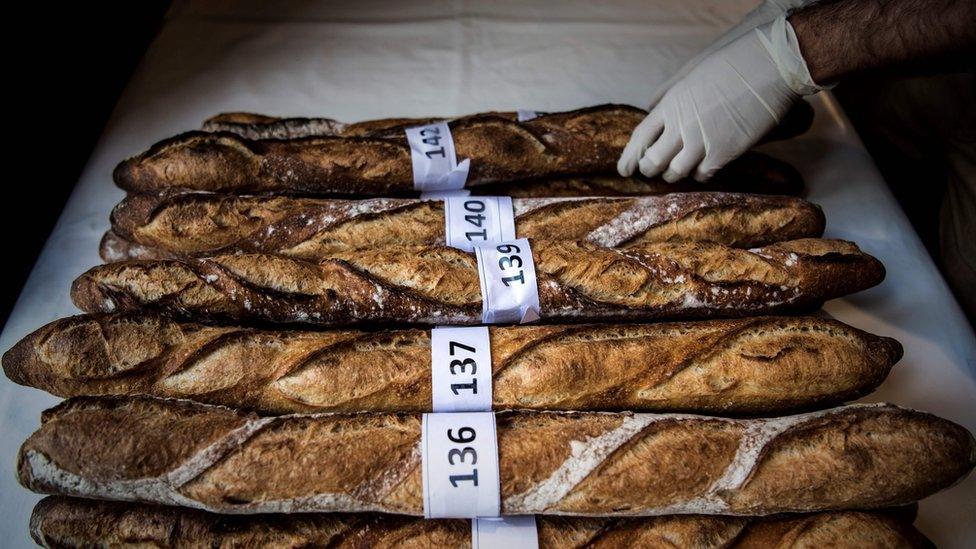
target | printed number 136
x=466, y=455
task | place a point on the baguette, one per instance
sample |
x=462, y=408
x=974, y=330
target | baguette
x=203, y=224
x=440, y=285
x=321, y=156
x=752, y=172
x=257, y=126
x=730, y=367
x=68, y=522
x=590, y=464
x=586, y=141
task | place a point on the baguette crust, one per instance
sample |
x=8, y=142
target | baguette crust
x=69, y=522
x=588, y=464
x=198, y=225
x=259, y=126
x=439, y=285
x=745, y=366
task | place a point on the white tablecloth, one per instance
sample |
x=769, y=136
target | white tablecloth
x=369, y=59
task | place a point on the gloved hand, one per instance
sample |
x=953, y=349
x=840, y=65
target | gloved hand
x=764, y=13
x=722, y=106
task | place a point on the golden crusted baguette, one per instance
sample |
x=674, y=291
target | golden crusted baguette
x=743, y=366
x=376, y=161
x=439, y=285
x=243, y=152
x=203, y=224
x=70, y=523
x=585, y=141
x=258, y=126
x=752, y=172
x=179, y=452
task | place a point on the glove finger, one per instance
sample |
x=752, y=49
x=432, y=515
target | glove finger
x=725, y=147
x=715, y=161
x=706, y=170
x=646, y=132
x=685, y=161
x=660, y=154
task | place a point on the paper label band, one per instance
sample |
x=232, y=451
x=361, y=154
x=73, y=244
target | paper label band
x=475, y=219
x=509, y=291
x=460, y=361
x=460, y=465
x=435, y=165
x=515, y=532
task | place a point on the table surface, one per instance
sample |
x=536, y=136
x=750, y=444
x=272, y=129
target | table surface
x=371, y=59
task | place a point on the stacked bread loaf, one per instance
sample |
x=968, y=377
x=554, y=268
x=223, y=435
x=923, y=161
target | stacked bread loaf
x=258, y=344
x=259, y=154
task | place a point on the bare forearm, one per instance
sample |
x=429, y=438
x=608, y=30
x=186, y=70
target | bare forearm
x=843, y=37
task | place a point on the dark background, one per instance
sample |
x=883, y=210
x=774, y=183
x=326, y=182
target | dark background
x=69, y=75
x=71, y=62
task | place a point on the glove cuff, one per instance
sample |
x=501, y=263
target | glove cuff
x=780, y=41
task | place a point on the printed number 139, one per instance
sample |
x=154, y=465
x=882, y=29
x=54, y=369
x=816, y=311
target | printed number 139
x=509, y=262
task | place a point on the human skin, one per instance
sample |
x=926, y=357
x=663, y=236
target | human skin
x=844, y=37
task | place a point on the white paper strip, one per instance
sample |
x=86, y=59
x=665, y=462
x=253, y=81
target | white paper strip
x=460, y=465
x=515, y=532
x=475, y=219
x=460, y=359
x=509, y=291
x=435, y=165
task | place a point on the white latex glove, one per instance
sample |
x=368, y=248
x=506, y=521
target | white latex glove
x=764, y=13
x=723, y=106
